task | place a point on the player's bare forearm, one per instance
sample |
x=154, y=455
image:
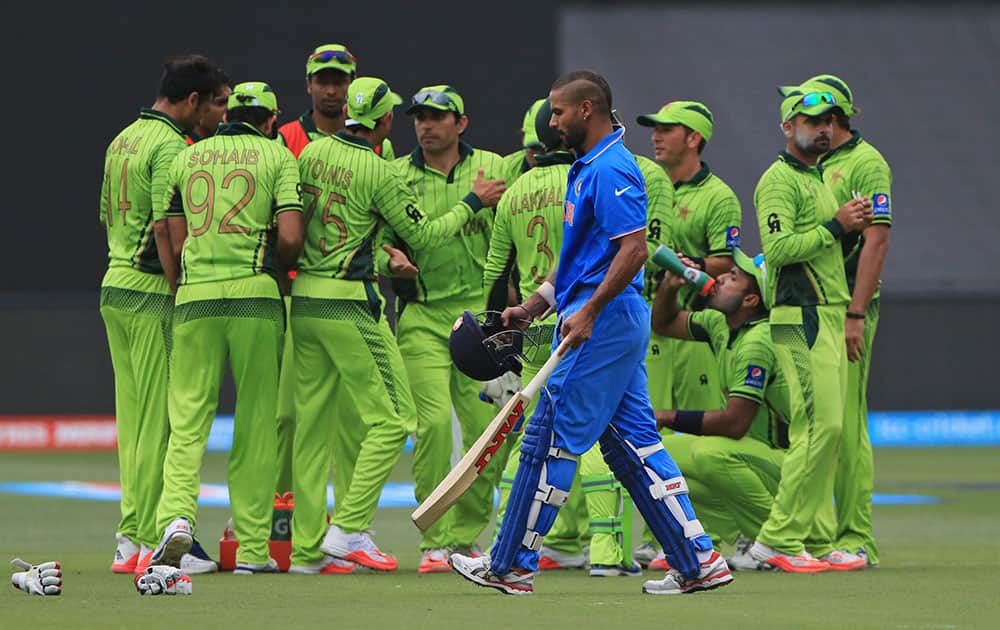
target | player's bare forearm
x=165, y=252
x=632, y=253
x=290, y=237
x=870, y=263
x=732, y=422
x=718, y=265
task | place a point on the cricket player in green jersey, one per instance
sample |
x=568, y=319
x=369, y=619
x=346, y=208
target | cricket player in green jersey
x=852, y=167
x=733, y=466
x=441, y=171
x=330, y=68
x=136, y=297
x=209, y=122
x=705, y=227
x=523, y=160
x=235, y=217
x=345, y=356
x=801, y=230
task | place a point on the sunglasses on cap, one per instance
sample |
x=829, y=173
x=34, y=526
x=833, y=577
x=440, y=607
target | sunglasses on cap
x=325, y=56
x=434, y=96
x=813, y=99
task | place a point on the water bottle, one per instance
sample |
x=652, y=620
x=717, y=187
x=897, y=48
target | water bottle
x=666, y=258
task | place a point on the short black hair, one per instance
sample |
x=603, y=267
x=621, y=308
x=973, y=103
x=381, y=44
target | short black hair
x=255, y=116
x=841, y=119
x=701, y=145
x=592, y=87
x=184, y=74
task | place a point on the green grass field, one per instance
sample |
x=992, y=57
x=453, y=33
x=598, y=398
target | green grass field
x=940, y=568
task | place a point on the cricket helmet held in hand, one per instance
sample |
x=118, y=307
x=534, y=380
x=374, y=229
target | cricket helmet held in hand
x=483, y=349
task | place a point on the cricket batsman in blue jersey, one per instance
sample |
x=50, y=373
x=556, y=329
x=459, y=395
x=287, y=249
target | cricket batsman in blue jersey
x=598, y=391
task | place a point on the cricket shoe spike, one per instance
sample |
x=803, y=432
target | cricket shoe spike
x=197, y=561
x=477, y=571
x=126, y=555
x=357, y=547
x=327, y=566
x=251, y=568
x=713, y=573
x=802, y=563
x=617, y=570
x=840, y=560
x=176, y=542
x=645, y=553
x=550, y=559
x=145, y=556
x=434, y=561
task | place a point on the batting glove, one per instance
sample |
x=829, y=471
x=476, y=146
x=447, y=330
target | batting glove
x=42, y=579
x=501, y=389
x=161, y=579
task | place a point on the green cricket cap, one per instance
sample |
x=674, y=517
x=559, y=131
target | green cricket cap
x=825, y=82
x=442, y=97
x=547, y=136
x=331, y=57
x=752, y=266
x=528, y=125
x=368, y=99
x=691, y=114
x=254, y=94
x=807, y=103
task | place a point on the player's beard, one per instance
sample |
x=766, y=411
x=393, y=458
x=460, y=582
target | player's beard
x=727, y=304
x=812, y=146
x=574, y=138
x=336, y=110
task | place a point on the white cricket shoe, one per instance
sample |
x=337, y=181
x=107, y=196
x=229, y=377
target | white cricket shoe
x=126, y=555
x=741, y=560
x=713, y=574
x=327, y=566
x=436, y=561
x=840, y=560
x=645, y=553
x=477, y=571
x=863, y=553
x=550, y=559
x=176, y=542
x=250, y=568
x=356, y=547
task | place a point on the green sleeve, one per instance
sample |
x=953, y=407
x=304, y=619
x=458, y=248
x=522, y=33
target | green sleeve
x=725, y=213
x=709, y=326
x=388, y=153
x=753, y=363
x=659, y=208
x=875, y=178
x=160, y=169
x=105, y=191
x=397, y=204
x=500, y=252
x=287, y=190
x=172, y=202
x=776, y=203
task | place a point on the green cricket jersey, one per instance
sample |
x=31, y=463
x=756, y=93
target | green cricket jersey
x=229, y=188
x=514, y=165
x=528, y=228
x=748, y=369
x=348, y=190
x=454, y=270
x=136, y=166
x=858, y=166
x=386, y=150
x=659, y=212
x=706, y=220
x=795, y=214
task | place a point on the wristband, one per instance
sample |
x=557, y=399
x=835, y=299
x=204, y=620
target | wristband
x=689, y=422
x=699, y=262
x=851, y=315
x=547, y=293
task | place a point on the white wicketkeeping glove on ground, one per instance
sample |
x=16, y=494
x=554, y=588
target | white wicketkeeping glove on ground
x=501, y=389
x=161, y=579
x=41, y=579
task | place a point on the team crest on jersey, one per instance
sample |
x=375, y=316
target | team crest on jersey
x=568, y=208
x=880, y=204
x=732, y=236
x=755, y=376
x=578, y=187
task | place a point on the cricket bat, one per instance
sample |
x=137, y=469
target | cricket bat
x=479, y=456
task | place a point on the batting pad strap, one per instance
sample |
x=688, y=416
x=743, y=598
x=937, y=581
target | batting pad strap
x=646, y=451
x=667, y=488
x=561, y=453
x=551, y=495
x=532, y=540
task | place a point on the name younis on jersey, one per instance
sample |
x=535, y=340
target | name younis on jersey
x=331, y=174
x=204, y=158
x=538, y=199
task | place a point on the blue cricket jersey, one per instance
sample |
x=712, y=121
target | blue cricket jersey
x=605, y=200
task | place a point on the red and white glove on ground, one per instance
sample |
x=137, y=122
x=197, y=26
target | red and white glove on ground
x=41, y=579
x=161, y=579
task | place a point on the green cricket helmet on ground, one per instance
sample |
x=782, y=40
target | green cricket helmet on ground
x=825, y=83
x=808, y=103
x=753, y=267
x=528, y=126
x=331, y=57
x=441, y=97
x=547, y=135
x=691, y=114
x=254, y=94
x=368, y=99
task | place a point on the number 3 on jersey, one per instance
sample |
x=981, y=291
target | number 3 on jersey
x=206, y=204
x=541, y=248
x=313, y=193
